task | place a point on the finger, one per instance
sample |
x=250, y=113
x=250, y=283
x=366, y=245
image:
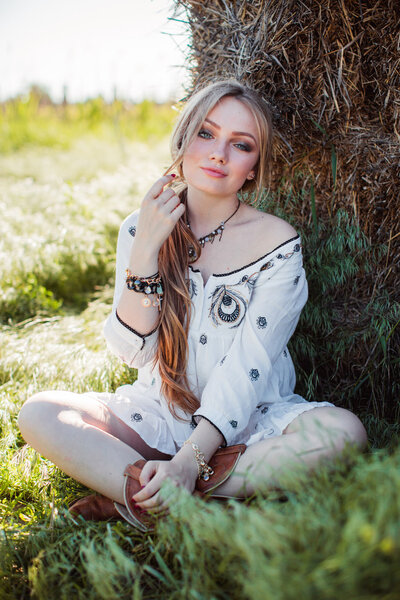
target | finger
x=166, y=195
x=171, y=204
x=159, y=185
x=149, y=490
x=163, y=502
x=178, y=212
x=152, y=503
x=148, y=472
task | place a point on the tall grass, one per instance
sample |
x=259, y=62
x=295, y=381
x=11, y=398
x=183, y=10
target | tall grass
x=332, y=534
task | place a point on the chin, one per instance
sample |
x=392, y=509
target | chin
x=212, y=188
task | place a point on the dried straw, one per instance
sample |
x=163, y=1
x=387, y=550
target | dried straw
x=330, y=70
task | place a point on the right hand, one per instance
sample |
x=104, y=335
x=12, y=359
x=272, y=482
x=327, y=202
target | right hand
x=159, y=213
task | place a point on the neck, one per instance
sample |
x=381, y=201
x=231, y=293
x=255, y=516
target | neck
x=205, y=212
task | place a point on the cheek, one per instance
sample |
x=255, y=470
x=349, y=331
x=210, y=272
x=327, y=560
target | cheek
x=251, y=164
x=193, y=150
x=245, y=166
x=189, y=157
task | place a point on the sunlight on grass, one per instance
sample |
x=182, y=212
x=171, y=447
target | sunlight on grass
x=57, y=235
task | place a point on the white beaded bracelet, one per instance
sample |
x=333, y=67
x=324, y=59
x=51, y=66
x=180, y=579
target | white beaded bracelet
x=204, y=470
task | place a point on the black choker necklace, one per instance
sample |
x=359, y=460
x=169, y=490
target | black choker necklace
x=210, y=237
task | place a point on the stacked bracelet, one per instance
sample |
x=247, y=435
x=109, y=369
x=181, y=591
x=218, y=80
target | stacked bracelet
x=146, y=285
x=204, y=470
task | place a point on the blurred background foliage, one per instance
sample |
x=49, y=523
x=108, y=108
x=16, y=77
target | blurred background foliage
x=33, y=119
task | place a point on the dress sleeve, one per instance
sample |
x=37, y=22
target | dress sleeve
x=241, y=379
x=131, y=347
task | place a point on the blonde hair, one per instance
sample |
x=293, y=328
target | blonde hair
x=173, y=260
x=198, y=107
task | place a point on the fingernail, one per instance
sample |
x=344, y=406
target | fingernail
x=173, y=175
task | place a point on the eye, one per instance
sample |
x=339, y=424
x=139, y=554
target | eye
x=243, y=146
x=204, y=133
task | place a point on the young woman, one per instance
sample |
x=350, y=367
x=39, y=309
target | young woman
x=208, y=293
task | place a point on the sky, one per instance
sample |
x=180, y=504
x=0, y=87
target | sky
x=92, y=47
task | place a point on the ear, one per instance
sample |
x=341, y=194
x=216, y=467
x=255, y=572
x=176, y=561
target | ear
x=251, y=175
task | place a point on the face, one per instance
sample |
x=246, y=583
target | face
x=224, y=153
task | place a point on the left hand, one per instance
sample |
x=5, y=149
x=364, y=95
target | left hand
x=155, y=472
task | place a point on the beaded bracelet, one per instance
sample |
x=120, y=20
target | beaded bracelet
x=146, y=285
x=204, y=470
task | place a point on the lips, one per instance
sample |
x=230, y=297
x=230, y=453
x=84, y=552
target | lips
x=213, y=172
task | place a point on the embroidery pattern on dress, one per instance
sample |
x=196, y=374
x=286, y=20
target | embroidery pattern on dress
x=234, y=424
x=261, y=322
x=296, y=248
x=227, y=306
x=203, y=339
x=136, y=417
x=221, y=362
x=192, y=288
x=267, y=265
x=250, y=280
x=254, y=374
x=132, y=230
x=296, y=280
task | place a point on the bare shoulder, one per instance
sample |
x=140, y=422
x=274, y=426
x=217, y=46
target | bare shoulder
x=267, y=231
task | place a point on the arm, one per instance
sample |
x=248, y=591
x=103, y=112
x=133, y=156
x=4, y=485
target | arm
x=131, y=328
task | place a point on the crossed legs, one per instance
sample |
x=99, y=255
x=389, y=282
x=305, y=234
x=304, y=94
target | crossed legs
x=83, y=438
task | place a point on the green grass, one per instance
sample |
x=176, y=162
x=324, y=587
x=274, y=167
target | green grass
x=334, y=534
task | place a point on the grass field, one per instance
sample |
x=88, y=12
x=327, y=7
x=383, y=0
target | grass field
x=334, y=534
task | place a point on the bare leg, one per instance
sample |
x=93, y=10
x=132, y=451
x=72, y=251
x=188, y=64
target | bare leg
x=320, y=433
x=83, y=438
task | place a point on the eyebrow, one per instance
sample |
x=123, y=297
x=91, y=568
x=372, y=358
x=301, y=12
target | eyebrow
x=234, y=132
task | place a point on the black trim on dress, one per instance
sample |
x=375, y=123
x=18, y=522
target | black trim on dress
x=134, y=330
x=250, y=264
x=213, y=424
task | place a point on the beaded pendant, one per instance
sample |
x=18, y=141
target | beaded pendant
x=210, y=237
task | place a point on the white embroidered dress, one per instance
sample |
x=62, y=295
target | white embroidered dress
x=239, y=365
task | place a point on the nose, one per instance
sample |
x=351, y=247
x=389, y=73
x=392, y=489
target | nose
x=218, y=153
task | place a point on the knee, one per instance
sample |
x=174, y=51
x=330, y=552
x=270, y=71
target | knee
x=33, y=415
x=354, y=431
x=336, y=427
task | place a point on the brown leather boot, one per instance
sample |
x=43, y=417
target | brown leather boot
x=94, y=508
